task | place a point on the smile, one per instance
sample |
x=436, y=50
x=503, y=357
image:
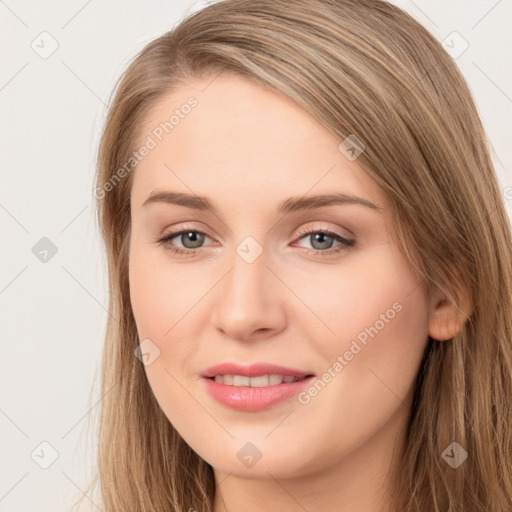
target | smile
x=255, y=382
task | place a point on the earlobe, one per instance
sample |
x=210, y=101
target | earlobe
x=446, y=319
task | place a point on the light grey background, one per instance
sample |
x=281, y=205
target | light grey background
x=52, y=109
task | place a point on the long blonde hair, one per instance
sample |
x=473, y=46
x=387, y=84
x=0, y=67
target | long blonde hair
x=358, y=67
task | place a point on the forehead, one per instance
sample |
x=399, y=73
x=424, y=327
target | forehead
x=243, y=138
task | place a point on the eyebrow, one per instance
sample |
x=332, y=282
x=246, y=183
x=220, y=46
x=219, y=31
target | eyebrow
x=291, y=204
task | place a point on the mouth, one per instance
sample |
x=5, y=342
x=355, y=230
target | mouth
x=258, y=381
x=256, y=387
x=241, y=371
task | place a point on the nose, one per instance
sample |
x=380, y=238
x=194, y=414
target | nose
x=249, y=302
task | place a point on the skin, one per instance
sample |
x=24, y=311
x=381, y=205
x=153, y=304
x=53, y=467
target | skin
x=248, y=149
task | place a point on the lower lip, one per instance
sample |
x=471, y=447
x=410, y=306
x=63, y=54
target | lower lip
x=246, y=398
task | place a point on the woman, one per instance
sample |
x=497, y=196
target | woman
x=310, y=270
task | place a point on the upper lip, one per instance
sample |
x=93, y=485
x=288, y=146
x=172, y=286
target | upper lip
x=252, y=370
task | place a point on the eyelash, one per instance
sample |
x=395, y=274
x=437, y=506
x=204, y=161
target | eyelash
x=346, y=244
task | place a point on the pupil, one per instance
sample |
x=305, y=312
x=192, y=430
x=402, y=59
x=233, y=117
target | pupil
x=196, y=240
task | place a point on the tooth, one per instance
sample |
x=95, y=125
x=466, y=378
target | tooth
x=256, y=382
x=241, y=380
x=259, y=382
x=228, y=379
x=275, y=379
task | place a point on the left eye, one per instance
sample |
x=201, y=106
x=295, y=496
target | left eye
x=323, y=240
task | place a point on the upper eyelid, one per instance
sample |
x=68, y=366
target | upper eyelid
x=180, y=228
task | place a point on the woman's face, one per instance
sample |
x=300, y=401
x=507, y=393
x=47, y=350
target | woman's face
x=264, y=277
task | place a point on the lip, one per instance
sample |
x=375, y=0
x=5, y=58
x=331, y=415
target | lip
x=248, y=399
x=252, y=370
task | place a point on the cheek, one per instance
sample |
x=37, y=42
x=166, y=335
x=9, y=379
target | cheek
x=160, y=300
x=169, y=305
x=372, y=288
x=160, y=295
x=379, y=317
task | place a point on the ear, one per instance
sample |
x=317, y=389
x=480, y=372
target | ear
x=446, y=318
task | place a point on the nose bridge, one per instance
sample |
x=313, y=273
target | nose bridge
x=248, y=276
x=247, y=300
